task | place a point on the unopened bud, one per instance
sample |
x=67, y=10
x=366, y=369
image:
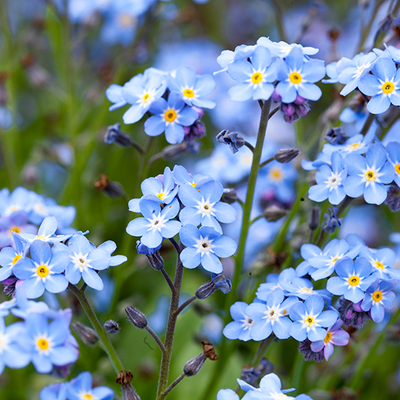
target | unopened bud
x=229, y=197
x=313, y=219
x=153, y=256
x=232, y=139
x=111, y=326
x=111, y=189
x=284, y=156
x=174, y=150
x=196, y=131
x=193, y=366
x=124, y=378
x=86, y=334
x=137, y=318
x=274, y=213
x=332, y=221
x=9, y=285
x=114, y=134
x=205, y=290
x=336, y=136
x=393, y=198
x=221, y=283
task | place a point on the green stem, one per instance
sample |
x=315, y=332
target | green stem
x=279, y=19
x=297, y=371
x=104, y=340
x=172, y=386
x=367, y=124
x=263, y=164
x=357, y=380
x=262, y=348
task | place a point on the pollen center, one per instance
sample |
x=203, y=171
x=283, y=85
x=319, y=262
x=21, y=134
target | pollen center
x=377, y=295
x=146, y=98
x=309, y=321
x=328, y=337
x=40, y=238
x=43, y=344
x=16, y=258
x=161, y=196
x=370, y=175
x=14, y=229
x=256, y=77
x=42, y=271
x=354, y=280
x=275, y=174
x=188, y=93
x=170, y=115
x=295, y=78
x=388, y=87
x=379, y=265
x=397, y=168
x=88, y=396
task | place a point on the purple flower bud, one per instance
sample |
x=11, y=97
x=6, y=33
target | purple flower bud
x=137, y=318
x=86, y=334
x=111, y=326
x=232, y=139
x=221, y=283
x=284, y=156
x=313, y=219
x=336, y=136
x=352, y=314
x=305, y=349
x=299, y=100
x=9, y=285
x=287, y=109
x=276, y=96
x=193, y=366
x=114, y=134
x=332, y=221
x=205, y=290
x=393, y=198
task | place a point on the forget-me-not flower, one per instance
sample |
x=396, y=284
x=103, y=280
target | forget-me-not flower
x=56, y=391
x=204, y=246
x=382, y=261
x=170, y=116
x=155, y=224
x=282, y=49
x=10, y=257
x=353, y=279
x=309, y=319
x=393, y=151
x=275, y=281
x=240, y=327
x=81, y=388
x=383, y=87
x=298, y=77
x=368, y=175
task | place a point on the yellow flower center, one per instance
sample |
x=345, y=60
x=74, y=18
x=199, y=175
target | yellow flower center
x=188, y=93
x=328, y=337
x=377, y=295
x=43, y=344
x=146, y=98
x=256, y=77
x=370, y=175
x=15, y=259
x=295, y=78
x=388, y=87
x=39, y=238
x=354, y=146
x=309, y=321
x=42, y=271
x=275, y=174
x=193, y=184
x=354, y=280
x=379, y=265
x=14, y=229
x=170, y=115
x=88, y=396
x=161, y=196
x=397, y=168
x=126, y=20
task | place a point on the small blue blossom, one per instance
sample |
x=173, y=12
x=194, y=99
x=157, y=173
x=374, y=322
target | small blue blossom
x=10, y=257
x=227, y=57
x=379, y=297
x=282, y=49
x=272, y=316
x=182, y=177
x=155, y=224
x=202, y=206
x=56, y=391
x=353, y=279
x=330, y=181
x=384, y=86
x=298, y=77
x=43, y=271
x=240, y=327
x=393, y=150
x=309, y=319
x=255, y=78
x=275, y=281
x=382, y=261
x=369, y=175
x=204, y=246
x=227, y=394
x=81, y=388
x=192, y=87
x=302, y=288
x=170, y=116
x=15, y=222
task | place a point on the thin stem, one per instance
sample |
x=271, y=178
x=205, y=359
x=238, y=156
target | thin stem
x=172, y=386
x=263, y=164
x=176, y=245
x=156, y=338
x=262, y=348
x=250, y=146
x=184, y=305
x=367, y=124
x=156, y=157
x=297, y=370
x=274, y=111
x=279, y=19
x=168, y=279
x=256, y=219
x=138, y=147
x=170, y=331
x=103, y=338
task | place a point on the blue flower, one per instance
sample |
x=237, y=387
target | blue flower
x=255, y=78
x=141, y=92
x=302, y=288
x=114, y=94
x=382, y=261
x=282, y=49
x=10, y=257
x=384, y=86
x=16, y=222
x=309, y=319
x=227, y=57
x=298, y=77
x=241, y=326
x=227, y=394
x=378, y=298
x=271, y=317
x=182, y=177
x=49, y=342
x=156, y=224
x=393, y=150
x=43, y=271
x=81, y=388
x=192, y=87
x=12, y=352
x=353, y=279
x=56, y=391
x=19, y=199
x=204, y=246
x=329, y=181
x=161, y=189
x=85, y=259
x=368, y=175
x=203, y=207
x=171, y=116
x=275, y=281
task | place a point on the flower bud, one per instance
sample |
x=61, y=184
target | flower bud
x=111, y=326
x=336, y=136
x=221, y=283
x=284, y=156
x=9, y=285
x=86, y=334
x=111, y=189
x=114, y=134
x=193, y=366
x=332, y=221
x=229, y=197
x=137, y=318
x=274, y=213
x=313, y=219
x=393, y=198
x=305, y=349
x=195, y=131
x=124, y=378
x=205, y=290
x=174, y=150
x=152, y=254
x=232, y=139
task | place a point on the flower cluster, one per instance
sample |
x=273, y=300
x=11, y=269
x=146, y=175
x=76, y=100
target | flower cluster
x=175, y=101
x=177, y=202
